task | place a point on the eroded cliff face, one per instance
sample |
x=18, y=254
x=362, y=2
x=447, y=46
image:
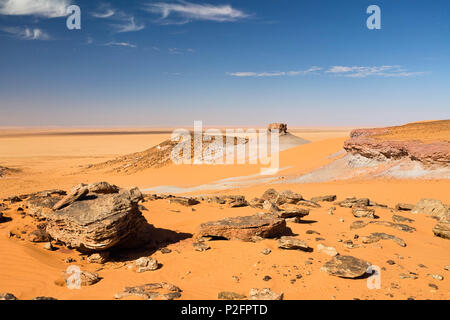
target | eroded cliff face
x=409, y=141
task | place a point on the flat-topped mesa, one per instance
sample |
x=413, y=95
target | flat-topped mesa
x=281, y=127
x=426, y=142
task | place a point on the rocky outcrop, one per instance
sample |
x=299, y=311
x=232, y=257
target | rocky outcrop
x=377, y=236
x=385, y=143
x=432, y=207
x=442, y=229
x=281, y=127
x=291, y=243
x=99, y=221
x=346, y=267
x=151, y=291
x=264, y=294
x=244, y=228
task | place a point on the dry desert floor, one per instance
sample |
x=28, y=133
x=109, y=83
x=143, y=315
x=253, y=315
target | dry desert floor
x=57, y=158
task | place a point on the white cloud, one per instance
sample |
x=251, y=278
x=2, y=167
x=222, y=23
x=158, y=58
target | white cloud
x=104, y=11
x=180, y=51
x=275, y=74
x=121, y=44
x=42, y=8
x=27, y=33
x=104, y=14
x=130, y=25
x=191, y=11
x=363, y=72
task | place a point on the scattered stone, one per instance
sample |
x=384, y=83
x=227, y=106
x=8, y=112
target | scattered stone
x=341, y=220
x=447, y=268
x=244, y=228
x=103, y=188
x=354, y=202
x=331, y=211
x=165, y=250
x=270, y=207
x=327, y=250
x=184, y=201
x=69, y=260
x=297, y=212
x=328, y=198
x=146, y=264
x=13, y=199
x=100, y=257
x=432, y=285
x=312, y=232
x=291, y=243
x=86, y=278
x=48, y=246
x=266, y=251
x=101, y=222
x=346, y=267
x=267, y=278
x=7, y=296
x=227, y=295
x=201, y=246
x=350, y=245
x=390, y=262
x=377, y=236
x=257, y=203
x=151, y=291
x=410, y=275
x=404, y=207
x=400, y=219
x=39, y=235
x=363, y=212
x=236, y=201
x=402, y=227
x=77, y=193
x=264, y=294
x=420, y=265
x=436, y=277
x=442, y=229
x=432, y=207
x=270, y=195
x=308, y=203
x=288, y=197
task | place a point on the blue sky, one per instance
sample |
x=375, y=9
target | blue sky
x=246, y=62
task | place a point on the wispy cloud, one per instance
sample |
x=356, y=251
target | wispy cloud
x=41, y=8
x=345, y=71
x=27, y=33
x=120, y=44
x=104, y=11
x=180, y=51
x=129, y=25
x=184, y=12
x=363, y=72
x=275, y=74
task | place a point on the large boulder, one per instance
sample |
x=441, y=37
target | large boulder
x=244, y=228
x=432, y=207
x=442, y=229
x=346, y=267
x=100, y=221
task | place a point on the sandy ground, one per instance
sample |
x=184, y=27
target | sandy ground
x=49, y=161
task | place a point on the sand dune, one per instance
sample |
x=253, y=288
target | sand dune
x=52, y=161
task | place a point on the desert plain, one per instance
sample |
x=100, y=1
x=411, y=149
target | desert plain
x=414, y=262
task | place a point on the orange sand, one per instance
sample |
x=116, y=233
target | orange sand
x=53, y=161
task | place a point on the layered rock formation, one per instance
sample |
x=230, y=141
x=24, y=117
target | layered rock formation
x=105, y=217
x=413, y=141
